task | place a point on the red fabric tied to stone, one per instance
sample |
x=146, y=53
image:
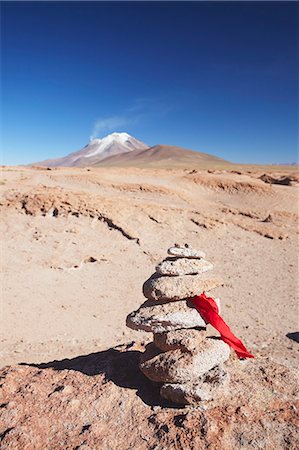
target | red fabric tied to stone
x=208, y=309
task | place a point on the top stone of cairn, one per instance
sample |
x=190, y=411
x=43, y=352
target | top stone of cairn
x=185, y=252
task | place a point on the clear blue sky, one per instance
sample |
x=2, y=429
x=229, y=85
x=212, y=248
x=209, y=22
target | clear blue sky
x=215, y=77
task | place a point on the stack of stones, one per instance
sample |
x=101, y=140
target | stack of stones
x=187, y=362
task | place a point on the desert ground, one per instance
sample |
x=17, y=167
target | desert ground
x=77, y=246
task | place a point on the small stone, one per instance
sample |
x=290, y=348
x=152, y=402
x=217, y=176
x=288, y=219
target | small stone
x=67, y=390
x=206, y=388
x=185, y=340
x=268, y=219
x=75, y=403
x=183, y=266
x=185, y=252
x=158, y=318
x=178, y=288
x=176, y=366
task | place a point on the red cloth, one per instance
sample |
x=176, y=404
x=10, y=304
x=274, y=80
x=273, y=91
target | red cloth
x=208, y=309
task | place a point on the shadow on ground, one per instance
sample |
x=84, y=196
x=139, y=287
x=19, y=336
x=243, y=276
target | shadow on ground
x=293, y=336
x=120, y=367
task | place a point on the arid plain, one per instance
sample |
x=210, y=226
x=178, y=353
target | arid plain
x=79, y=243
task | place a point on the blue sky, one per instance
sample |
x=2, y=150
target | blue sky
x=215, y=77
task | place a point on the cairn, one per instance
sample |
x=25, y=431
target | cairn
x=187, y=362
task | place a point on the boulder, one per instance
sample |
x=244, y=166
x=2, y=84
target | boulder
x=176, y=366
x=183, y=266
x=177, y=288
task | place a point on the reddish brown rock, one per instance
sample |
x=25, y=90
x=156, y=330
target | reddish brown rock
x=90, y=402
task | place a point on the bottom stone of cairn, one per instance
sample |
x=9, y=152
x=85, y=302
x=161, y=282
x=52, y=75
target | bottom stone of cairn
x=205, y=388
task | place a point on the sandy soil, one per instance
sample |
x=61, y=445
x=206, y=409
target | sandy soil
x=79, y=243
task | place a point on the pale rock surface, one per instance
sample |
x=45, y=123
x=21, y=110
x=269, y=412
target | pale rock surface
x=185, y=340
x=212, y=384
x=177, y=288
x=185, y=252
x=183, y=266
x=165, y=317
x=176, y=366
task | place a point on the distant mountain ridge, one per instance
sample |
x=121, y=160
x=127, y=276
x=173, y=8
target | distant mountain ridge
x=123, y=150
x=162, y=156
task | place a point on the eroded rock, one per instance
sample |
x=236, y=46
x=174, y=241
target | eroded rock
x=59, y=405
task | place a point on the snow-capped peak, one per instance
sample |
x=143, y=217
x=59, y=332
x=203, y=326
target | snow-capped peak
x=98, y=149
x=112, y=144
x=120, y=137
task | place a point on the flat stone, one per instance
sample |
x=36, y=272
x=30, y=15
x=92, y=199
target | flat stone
x=166, y=316
x=185, y=340
x=210, y=385
x=185, y=252
x=183, y=266
x=178, y=288
x=176, y=366
x=158, y=318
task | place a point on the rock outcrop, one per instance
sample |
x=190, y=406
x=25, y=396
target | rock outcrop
x=187, y=362
x=102, y=401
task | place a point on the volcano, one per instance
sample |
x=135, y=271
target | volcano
x=97, y=150
x=123, y=150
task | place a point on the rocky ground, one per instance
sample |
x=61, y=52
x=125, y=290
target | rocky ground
x=102, y=401
x=78, y=246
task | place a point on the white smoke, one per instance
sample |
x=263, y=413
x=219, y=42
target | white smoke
x=107, y=124
x=142, y=110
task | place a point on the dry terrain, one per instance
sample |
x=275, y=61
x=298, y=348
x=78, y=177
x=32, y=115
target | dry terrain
x=77, y=245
